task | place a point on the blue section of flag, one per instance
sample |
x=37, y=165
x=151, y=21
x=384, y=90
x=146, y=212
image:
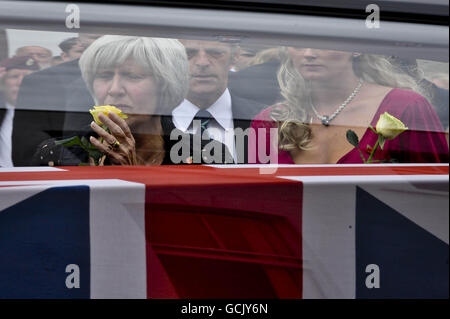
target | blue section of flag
x=39, y=237
x=413, y=263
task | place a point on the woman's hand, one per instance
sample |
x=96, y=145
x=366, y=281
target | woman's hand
x=121, y=153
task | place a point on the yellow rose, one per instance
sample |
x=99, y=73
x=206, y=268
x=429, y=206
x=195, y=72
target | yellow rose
x=105, y=109
x=389, y=126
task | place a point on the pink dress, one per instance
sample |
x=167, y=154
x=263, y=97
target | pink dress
x=423, y=142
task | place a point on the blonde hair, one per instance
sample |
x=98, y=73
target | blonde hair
x=264, y=56
x=295, y=111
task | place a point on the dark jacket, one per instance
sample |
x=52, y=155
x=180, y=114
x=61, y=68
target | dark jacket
x=41, y=107
x=258, y=83
x=439, y=100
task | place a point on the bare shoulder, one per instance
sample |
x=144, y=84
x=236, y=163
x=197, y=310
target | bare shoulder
x=376, y=91
x=372, y=90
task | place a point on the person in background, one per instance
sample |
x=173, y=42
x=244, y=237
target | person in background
x=12, y=72
x=441, y=80
x=438, y=97
x=57, y=60
x=44, y=98
x=86, y=39
x=246, y=55
x=258, y=81
x=71, y=49
x=43, y=56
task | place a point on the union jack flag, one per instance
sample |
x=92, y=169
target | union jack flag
x=376, y=231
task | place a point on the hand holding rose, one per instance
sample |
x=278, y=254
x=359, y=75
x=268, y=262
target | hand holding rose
x=116, y=140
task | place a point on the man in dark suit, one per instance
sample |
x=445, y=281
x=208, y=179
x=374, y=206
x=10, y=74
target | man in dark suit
x=221, y=115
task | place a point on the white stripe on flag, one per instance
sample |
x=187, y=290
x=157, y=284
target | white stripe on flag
x=367, y=179
x=14, y=192
x=30, y=169
x=118, y=251
x=322, y=165
x=328, y=233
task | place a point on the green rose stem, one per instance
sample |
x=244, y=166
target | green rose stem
x=362, y=156
x=373, y=151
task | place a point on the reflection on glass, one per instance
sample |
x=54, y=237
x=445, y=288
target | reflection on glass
x=312, y=97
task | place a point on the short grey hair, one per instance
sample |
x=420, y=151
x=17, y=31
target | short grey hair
x=164, y=59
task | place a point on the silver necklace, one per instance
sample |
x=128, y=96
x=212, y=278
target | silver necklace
x=327, y=119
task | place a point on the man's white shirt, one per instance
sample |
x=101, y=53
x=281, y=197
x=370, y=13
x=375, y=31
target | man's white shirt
x=6, y=128
x=221, y=128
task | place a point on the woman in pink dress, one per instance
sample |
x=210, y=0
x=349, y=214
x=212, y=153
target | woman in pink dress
x=328, y=92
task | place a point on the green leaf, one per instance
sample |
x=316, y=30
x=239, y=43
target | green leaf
x=352, y=138
x=91, y=147
x=75, y=140
x=95, y=154
x=85, y=142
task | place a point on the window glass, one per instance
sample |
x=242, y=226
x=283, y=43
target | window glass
x=214, y=99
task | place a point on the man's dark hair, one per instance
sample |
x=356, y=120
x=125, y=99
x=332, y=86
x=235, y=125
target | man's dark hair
x=67, y=44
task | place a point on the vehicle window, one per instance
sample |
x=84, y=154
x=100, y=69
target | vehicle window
x=215, y=99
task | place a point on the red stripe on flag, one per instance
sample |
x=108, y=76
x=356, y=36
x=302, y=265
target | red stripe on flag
x=198, y=175
x=235, y=240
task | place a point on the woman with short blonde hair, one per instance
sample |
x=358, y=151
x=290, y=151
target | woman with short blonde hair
x=143, y=77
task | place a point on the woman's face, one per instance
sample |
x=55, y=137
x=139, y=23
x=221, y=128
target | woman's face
x=315, y=64
x=127, y=87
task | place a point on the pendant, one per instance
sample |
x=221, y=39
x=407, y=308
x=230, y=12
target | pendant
x=325, y=120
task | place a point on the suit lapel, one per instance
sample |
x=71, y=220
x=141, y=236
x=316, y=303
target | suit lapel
x=242, y=119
